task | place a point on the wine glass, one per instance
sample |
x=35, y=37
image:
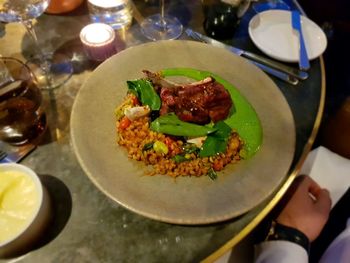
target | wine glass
x=161, y=26
x=22, y=119
x=51, y=71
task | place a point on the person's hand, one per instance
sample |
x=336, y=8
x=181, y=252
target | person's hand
x=308, y=209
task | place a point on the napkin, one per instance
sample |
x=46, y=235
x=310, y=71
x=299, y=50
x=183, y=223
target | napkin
x=329, y=170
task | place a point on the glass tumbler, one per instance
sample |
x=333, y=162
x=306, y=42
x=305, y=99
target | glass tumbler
x=116, y=13
x=22, y=119
x=222, y=17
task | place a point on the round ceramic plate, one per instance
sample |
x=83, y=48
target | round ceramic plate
x=271, y=31
x=184, y=200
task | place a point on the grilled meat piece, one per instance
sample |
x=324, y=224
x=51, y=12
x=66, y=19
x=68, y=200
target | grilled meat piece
x=198, y=102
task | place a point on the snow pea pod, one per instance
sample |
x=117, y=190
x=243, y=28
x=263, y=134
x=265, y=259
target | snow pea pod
x=172, y=125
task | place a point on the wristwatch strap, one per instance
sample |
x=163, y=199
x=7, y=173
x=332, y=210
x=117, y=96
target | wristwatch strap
x=281, y=232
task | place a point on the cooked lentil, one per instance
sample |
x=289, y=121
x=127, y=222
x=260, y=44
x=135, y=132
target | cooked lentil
x=138, y=134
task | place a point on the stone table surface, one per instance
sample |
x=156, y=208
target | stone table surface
x=89, y=227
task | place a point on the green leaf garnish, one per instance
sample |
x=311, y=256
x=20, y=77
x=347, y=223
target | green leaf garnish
x=216, y=142
x=148, y=146
x=180, y=158
x=190, y=148
x=212, y=174
x=145, y=92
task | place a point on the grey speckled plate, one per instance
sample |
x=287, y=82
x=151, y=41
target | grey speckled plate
x=185, y=200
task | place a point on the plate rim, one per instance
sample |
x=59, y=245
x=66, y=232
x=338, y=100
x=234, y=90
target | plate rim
x=147, y=214
x=284, y=58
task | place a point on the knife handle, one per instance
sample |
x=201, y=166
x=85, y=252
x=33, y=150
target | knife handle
x=276, y=65
x=278, y=74
x=304, y=61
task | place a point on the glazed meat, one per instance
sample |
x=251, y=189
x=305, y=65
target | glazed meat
x=199, y=102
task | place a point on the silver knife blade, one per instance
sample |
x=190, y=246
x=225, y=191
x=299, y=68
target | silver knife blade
x=16, y=154
x=281, y=75
x=240, y=52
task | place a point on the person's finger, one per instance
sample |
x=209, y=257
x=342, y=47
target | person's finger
x=323, y=201
x=314, y=188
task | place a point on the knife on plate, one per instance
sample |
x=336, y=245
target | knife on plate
x=259, y=60
x=304, y=63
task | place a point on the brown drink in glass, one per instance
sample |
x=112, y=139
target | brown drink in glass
x=22, y=119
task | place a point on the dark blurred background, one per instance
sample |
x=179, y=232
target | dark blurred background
x=334, y=18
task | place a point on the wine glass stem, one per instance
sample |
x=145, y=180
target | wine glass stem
x=44, y=63
x=162, y=13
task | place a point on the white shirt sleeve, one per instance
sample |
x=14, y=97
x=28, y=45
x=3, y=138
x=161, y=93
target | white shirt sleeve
x=280, y=251
x=339, y=250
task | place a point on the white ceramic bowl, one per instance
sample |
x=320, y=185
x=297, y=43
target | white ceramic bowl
x=37, y=220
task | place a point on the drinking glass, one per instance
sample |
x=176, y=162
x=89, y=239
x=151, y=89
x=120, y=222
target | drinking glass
x=161, y=26
x=51, y=71
x=22, y=119
x=222, y=18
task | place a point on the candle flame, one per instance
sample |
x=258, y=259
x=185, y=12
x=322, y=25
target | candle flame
x=96, y=33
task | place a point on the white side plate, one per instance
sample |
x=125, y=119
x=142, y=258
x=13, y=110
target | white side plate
x=271, y=31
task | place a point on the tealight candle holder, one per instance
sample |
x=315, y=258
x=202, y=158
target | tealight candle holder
x=98, y=41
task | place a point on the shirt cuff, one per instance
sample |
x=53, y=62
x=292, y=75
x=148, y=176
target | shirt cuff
x=278, y=251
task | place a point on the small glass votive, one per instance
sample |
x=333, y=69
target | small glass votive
x=98, y=41
x=116, y=13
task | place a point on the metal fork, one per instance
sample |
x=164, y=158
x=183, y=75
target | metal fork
x=272, y=71
x=2, y=155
